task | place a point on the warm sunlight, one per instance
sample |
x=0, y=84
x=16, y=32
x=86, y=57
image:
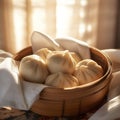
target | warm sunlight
x=8, y=108
x=83, y=2
x=36, y=18
x=66, y=2
x=63, y=21
x=114, y=103
x=65, y=10
x=56, y=18
x=82, y=29
x=89, y=28
x=82, y=13
x=82, y=19
x=18, y=20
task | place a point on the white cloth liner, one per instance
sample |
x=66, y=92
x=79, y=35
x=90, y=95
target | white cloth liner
x=109, y=111
x=41, y=40
x=74, y=45
x=31, y=92
x=11, y=91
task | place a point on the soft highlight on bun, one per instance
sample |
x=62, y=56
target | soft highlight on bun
x=60, y=61
x=61, y=80
x=32, y=68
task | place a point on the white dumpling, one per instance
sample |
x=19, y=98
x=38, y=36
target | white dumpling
x=61, y=80
x=32, y=68
x=60, y=61
x=43, y=52
x=76, y=57
x=87, y=71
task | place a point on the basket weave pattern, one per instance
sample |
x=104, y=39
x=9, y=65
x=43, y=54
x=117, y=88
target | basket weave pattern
x=75, y=101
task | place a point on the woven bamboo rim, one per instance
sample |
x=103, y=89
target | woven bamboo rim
x=77, y=100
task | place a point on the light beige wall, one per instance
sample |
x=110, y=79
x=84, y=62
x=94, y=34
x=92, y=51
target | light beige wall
x=106, y=34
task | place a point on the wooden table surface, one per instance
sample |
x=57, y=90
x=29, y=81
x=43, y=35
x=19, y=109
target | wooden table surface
x=13, y=114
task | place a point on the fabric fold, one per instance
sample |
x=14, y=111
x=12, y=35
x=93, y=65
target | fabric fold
x=75, y=45
x=10, y=85
x=31, y=92
x=41, y=40
x=109, y=111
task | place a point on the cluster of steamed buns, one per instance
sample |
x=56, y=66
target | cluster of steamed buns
x=62, y=69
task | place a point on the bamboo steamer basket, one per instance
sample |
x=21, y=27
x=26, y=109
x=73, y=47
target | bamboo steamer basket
x=77, y=100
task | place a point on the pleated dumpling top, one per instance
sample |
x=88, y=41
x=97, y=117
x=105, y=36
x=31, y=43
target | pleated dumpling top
x=61, y=61
x=61, y=80
x=87, y=71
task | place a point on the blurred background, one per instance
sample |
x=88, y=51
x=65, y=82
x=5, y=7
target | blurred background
x=94, y=21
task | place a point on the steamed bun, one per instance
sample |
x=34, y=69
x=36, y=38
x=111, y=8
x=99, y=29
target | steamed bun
x=60, y=61
x=61, y=80
x=76, y=57
x=43, y=52
x=87, y=71
x=32, y=68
